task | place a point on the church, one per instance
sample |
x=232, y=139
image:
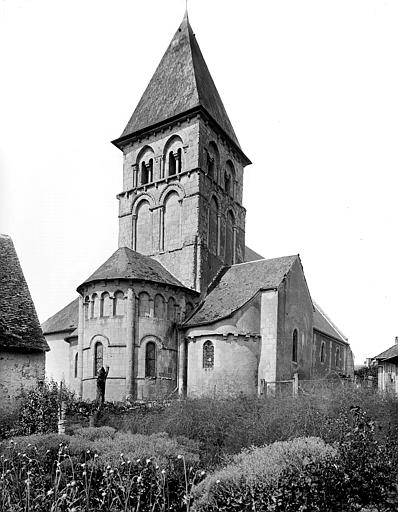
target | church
x=183, y=306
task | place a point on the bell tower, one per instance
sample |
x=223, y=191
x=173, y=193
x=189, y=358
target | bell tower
x=183, y=171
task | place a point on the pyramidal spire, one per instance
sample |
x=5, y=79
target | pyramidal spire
x=181, y=85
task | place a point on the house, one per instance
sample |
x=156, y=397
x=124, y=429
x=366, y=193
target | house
x=182, y=304
x=22, y=343
x=387, y=365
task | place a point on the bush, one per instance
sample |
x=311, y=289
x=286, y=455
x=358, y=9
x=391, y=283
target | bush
x=248, y=482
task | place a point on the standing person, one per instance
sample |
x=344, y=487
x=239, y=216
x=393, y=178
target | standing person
x=101, y=381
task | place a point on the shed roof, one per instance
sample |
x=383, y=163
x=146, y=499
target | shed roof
x=323, y=323
x=64, y=321
x=128, y=264
x=19, y=326
x=236, y=285
x=390, y=353
x=180, y=84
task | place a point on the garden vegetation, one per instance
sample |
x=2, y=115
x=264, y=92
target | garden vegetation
x=327, y=451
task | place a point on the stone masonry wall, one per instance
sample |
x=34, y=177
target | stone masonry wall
x=295, y=311
x=236, y=353
x=18, y=370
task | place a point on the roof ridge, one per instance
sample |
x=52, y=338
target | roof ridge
x=264, y=259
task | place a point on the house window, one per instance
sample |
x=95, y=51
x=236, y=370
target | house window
x=208, y=354
x=98, y=357
x=294, y=350
x=337, y=358
x=76, y=364
x=323, y=352
x=150, y=360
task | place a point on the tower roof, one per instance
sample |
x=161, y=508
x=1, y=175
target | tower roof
x=181, y=84
x=19, y=326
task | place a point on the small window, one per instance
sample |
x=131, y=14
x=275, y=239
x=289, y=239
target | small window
x=295, y=347
x=144, y=174
x=150, y=359
x=172, y=164
x=323, y=352
x=98, y=357
x=208, y=354
x=210, y=165
x=337, y=358
x=76, y=364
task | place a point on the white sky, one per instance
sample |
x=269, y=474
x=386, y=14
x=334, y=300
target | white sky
x=311, y=88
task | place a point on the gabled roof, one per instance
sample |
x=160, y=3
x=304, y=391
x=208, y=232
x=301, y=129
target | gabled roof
x=235, y=286
x=128, y=264
x=182, y=83
x=322, y=323
x=64, y=321
x=19, y=326
x=390, y=353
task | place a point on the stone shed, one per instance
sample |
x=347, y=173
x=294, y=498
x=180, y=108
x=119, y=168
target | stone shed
x=22, y=343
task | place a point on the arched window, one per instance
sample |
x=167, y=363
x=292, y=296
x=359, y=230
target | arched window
x=106, y=305
x=118, y=304
x=143, y=230
x=337, y=358
x=213, y=226
x=159, y=306
x=98, y=357
x=172, y=212
x=323, y=352
x=208, y=354
x=76, y=366
x=172, y=156
x=150, y=359
x=229, y=239
x=172, y=164
x=87, y=307
x=143, y=307
x=295, y=346
x=171, y=309
x=145, y=165
x=95, y=306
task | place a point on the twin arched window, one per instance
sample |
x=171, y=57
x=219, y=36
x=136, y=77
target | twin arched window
x=147, y=172
x=208, y=354
x=150, y=359
x=295, y=346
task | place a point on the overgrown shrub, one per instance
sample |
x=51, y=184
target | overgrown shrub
x=357, y=472
x=253, y=475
